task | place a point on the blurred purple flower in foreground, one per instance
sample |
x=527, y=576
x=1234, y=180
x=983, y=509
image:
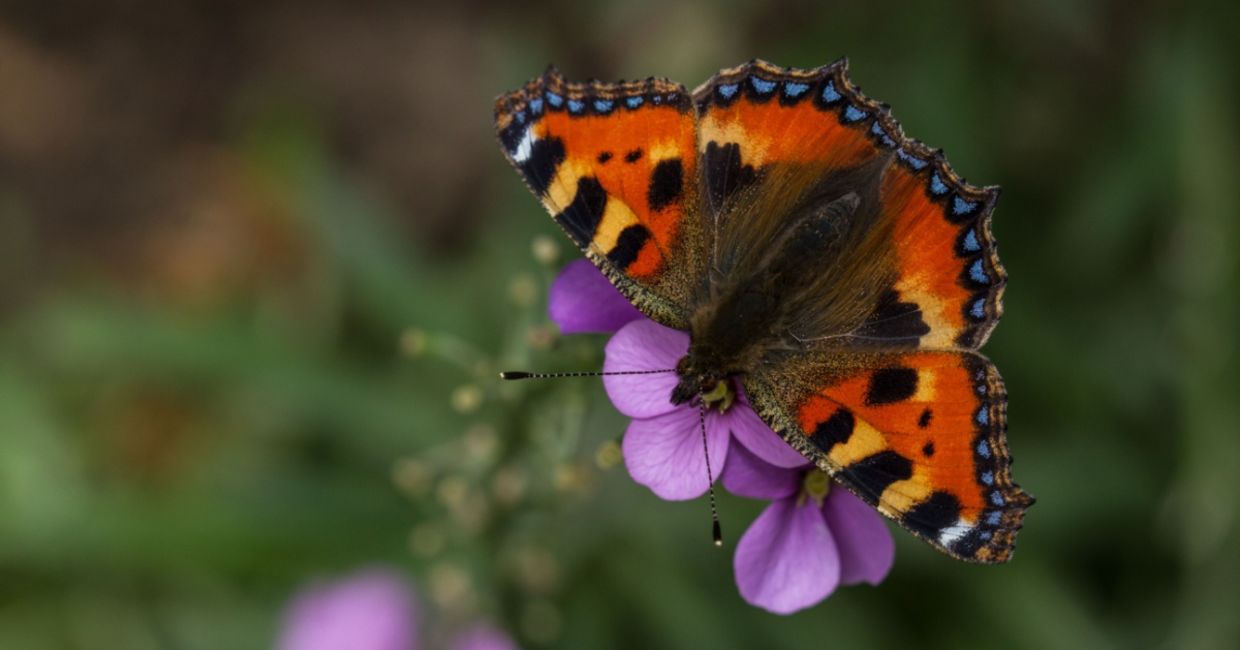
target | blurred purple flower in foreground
x=811, y=538
x=372, y=609
x=483, y=637
x=814, y=536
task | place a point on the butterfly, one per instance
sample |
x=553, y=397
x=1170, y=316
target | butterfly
x=839, y=272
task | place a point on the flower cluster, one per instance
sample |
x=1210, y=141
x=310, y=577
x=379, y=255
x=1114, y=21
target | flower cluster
x=813, y=537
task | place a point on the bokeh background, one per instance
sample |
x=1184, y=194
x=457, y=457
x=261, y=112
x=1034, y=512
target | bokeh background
x=260, y=260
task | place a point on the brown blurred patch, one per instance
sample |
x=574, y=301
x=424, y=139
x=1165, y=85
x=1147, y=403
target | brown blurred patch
x=146, y=434
x=121, y=126
x=231, y=236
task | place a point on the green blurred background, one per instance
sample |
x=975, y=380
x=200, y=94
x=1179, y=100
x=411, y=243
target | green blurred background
x=260, y=260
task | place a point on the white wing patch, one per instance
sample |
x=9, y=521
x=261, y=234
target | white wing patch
x=949, y=535
x=524, y=147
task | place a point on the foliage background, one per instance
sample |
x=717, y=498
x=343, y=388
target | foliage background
x=258, y=262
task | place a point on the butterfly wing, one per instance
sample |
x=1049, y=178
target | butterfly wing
x=886, y=391
x=614, y=165
x=919, y=435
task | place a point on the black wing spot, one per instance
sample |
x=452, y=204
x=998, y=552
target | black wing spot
x=890, y=385
x=604, y=157
x=628, y=245
x=929, y=517
x=724, y=172
x=926, y=416
x=872, y=474
x=894, y=320
x=666, y=183
x=581, y=217
x=836, y=430
x=633, y=156
x=928, y=449
x=539, y=169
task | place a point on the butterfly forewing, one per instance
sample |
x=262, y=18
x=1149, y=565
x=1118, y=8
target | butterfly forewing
x=614, y=165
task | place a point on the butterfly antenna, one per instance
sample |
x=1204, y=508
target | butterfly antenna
x=716, y=529
x=513, y=375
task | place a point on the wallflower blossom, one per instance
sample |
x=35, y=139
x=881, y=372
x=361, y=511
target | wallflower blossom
x=663, y=445
x=814, y=536
x=582, y=300
x=371, y=609
x=809, y=540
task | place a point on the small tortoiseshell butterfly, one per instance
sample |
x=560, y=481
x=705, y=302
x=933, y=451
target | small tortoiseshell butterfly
x=842, y=273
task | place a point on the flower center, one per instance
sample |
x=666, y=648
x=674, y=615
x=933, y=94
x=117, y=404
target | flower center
x=816, y=485
x=720, y=397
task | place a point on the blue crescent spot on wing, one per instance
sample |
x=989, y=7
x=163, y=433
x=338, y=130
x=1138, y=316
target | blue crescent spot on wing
x=913, y=161
x=978, y=273
x=970, y=242
x=762, y=86
x=829, y=94
x=795, y=89
x=961, y=206
x=854, y=114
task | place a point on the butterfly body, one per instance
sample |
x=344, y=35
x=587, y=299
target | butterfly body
x=841, y=274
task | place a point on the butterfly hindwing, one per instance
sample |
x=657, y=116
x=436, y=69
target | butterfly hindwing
x=614, y=165
x=919, y=435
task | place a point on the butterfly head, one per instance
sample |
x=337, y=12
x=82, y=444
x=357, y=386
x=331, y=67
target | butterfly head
x=715, y=388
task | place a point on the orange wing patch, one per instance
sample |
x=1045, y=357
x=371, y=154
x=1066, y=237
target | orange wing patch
x=758, y=114
x=611, y=162
x=921, y=436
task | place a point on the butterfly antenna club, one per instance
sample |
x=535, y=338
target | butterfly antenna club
x=716, y=529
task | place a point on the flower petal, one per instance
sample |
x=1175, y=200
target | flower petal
x=787, y=560
x=644, y=345
x=484, y=637
x=583, y=300
x=757, y=437
x=747, y=475
x=664, y=453
x=370, y=609
x=866, y=548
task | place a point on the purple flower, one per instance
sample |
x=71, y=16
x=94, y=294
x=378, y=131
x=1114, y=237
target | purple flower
x=663, y=444
x=483, y=637
x=814, y=536
x=372, y=609
x=582, y=300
